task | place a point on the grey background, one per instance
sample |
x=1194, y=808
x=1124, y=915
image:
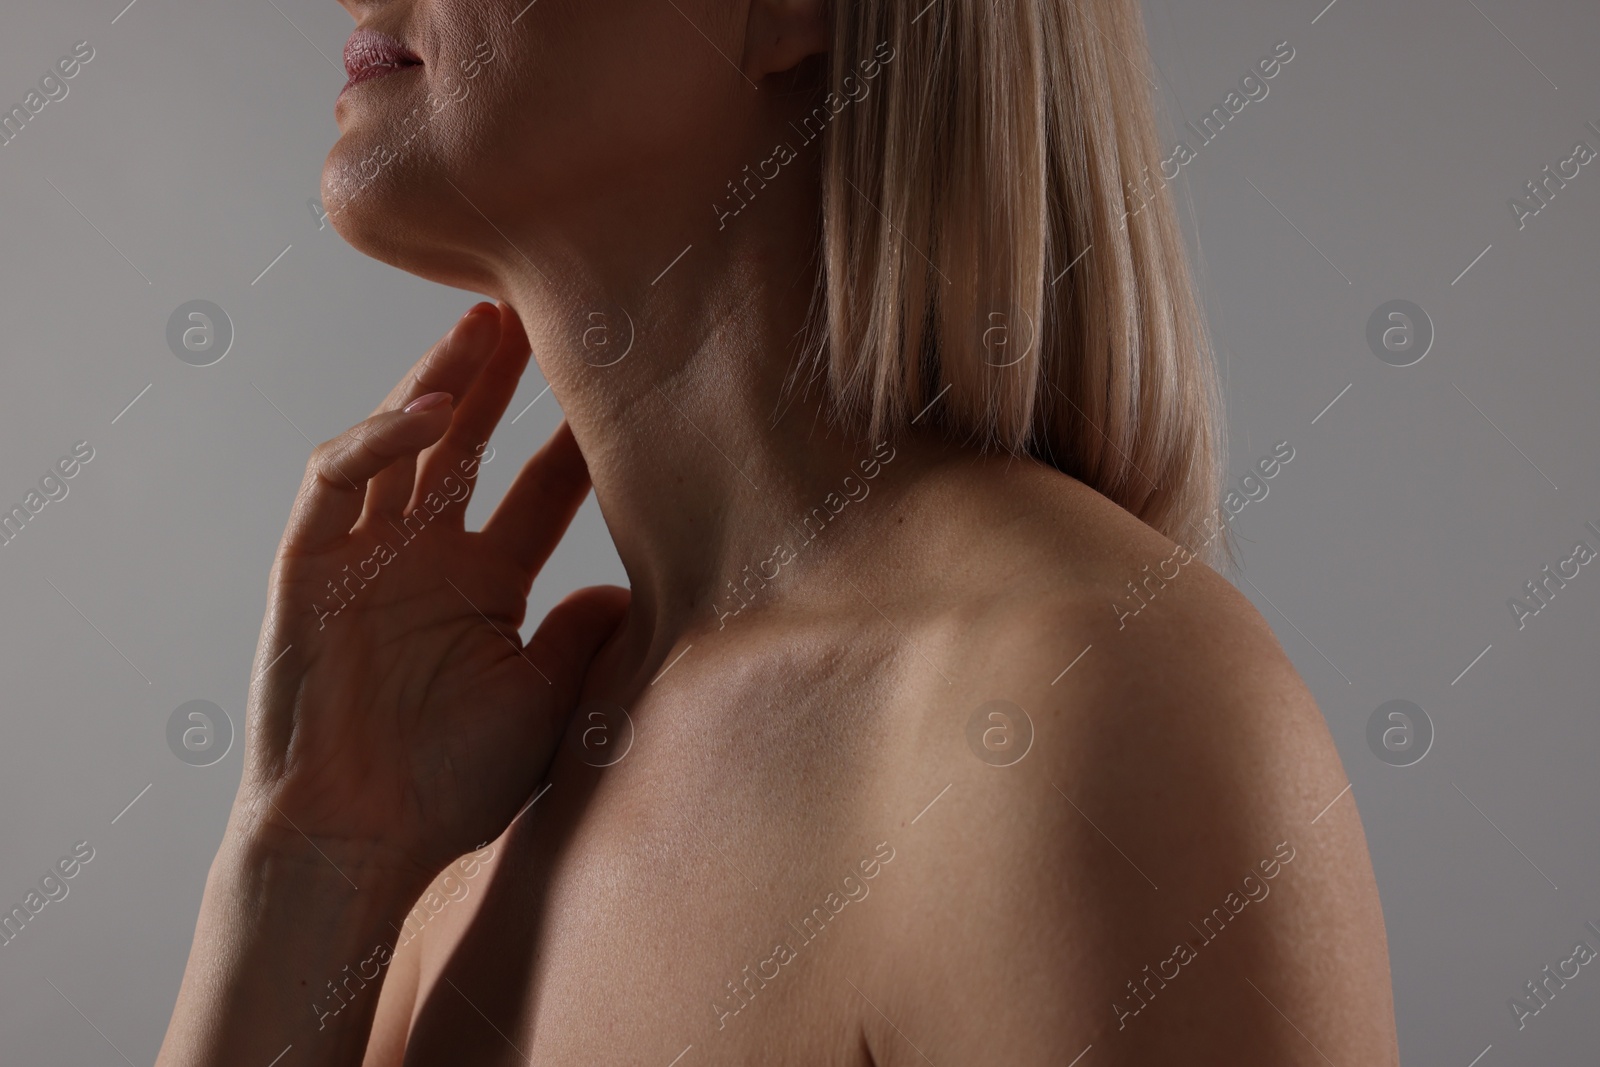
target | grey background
x=193, y=140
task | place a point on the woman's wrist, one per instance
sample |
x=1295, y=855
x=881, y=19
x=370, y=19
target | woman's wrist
x=292, y=947
x=262, y=838
x=265, y=869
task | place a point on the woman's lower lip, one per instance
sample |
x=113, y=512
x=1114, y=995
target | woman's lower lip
x=377, y=70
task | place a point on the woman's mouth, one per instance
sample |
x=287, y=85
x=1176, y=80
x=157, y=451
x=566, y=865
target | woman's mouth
x=370, y=54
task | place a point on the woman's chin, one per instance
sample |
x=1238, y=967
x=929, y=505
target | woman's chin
x=360, y=185
x=391, y=216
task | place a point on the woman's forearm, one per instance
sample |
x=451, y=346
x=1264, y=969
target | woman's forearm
x=291, y=950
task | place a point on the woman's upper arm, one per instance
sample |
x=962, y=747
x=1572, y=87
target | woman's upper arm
x=1203, y=756
x=1166, y=874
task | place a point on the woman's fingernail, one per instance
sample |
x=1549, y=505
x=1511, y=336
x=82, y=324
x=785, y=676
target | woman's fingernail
x=474, y=325
x=426, y=402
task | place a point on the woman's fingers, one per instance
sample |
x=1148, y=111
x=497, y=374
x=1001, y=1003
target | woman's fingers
x=480, y=409
x=451, y=366
x=547, y=492
x=453, y=363
x=574, y=631
x=334, y=489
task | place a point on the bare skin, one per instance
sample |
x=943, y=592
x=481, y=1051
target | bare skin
x=800, y=772
x=774, y=758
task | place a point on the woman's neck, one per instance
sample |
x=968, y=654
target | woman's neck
x=676, y=381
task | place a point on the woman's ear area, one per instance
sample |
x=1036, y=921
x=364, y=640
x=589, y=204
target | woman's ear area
x=782, y=34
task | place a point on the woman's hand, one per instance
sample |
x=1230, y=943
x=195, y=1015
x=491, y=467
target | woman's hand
x=396, y=717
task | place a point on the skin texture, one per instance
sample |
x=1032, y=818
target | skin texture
x=800, y=770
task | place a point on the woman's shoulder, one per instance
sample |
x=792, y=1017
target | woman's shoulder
x=1012, y=548
x=1136, y=660
x=1125, y=742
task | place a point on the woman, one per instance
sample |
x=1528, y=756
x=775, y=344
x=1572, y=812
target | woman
x=917, y=737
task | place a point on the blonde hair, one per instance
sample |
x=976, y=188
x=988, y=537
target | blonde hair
x=1001, y=143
